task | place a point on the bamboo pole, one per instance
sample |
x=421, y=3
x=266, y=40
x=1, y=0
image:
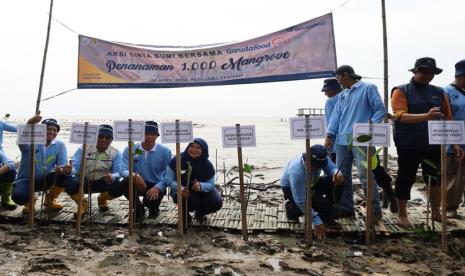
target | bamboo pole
x=131, y=180
x=369, y=227
x=444, y=196
x=241, y=182
x=308, y=214
x=32, y=180
x=386, y=81
x=178, y=179
x=82, y=172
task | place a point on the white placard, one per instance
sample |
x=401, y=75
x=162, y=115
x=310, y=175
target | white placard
x=316, y=127
x=247, y=136
x=24, y=135
x=168, y=132
x=121, y=130
x=77, y=134
x=446, y=132
x=381, y=134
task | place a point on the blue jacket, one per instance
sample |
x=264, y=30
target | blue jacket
x=457, y=106
x=359, y=104
x=5, y=127
x=329, y=107
x=4, y=160
x=46, y=159
x=295, y=177
x=151, y=165
x=170, y=176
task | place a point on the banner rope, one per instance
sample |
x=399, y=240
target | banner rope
x=59, y=94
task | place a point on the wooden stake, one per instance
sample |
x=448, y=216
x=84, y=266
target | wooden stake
x=386, y=80
x=308, y=214
x=178, y=180
x=32, y=181
x=82, y=172
x=369, y=227
x=241, y=182
x=131, y=180
x=444, y=196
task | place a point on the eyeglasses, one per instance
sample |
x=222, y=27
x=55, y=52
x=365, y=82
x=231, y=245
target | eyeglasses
x=105, y=137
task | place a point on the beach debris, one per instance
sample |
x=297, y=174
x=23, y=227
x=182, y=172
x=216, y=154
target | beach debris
x=120, y=237
x=357, y=254
x=160, y=234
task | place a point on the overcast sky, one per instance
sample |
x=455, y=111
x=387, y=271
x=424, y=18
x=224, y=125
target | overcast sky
x=416, y=28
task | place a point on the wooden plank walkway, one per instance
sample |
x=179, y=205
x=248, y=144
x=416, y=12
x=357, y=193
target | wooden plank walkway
x=260, y=217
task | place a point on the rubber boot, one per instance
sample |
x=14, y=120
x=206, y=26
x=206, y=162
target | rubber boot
x=27, y=206
x=7, y=202
x=435, y=199
x=51, y=198
x=76, y=199
x=103, y=201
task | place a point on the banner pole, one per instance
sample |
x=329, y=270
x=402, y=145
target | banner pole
x=308, y=214
x=241, y=183
x=131, y=193
x=178, y=180
x=444, y=196
x=82, y=172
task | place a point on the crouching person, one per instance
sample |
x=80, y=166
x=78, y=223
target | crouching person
x=200, y=193
x=51, y=168
x=7, y=177
x=103, y=163
x=294, y=182
x=150, y=162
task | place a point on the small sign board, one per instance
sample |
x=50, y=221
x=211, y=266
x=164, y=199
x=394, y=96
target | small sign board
x=247, y=136
x=380, y=133
x=24, y=134
x=77, y=134
x=122, y=131
x=446, y=132
x=314, y=128
x=169, y=133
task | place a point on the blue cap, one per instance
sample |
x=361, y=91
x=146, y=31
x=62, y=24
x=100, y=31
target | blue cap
x=331, y=85
x=151, y=127
x=105, y=130
x=319, y=156
x=460, y=68
x=51, y=122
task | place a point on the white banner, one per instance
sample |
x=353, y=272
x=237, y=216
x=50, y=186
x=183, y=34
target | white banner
x=303, y=51
x=446, y=132
x=246, y=133
x=24, y=135
x=77, y=134
x=169, y=133
x=380, y=134
x=315, y=127
x=122, y=131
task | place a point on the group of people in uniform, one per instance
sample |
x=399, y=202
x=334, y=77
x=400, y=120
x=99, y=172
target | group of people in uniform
x=107, y=172
x=351, y=100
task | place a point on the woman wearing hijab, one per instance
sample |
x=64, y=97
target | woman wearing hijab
x=200, y=193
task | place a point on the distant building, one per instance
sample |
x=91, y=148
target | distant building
x=311, y=111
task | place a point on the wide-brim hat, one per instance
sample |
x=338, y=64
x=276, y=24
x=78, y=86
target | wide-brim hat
x=51, y=122
x=347, y=69
x=331, y=85
x=460, y=68
x=426, y=63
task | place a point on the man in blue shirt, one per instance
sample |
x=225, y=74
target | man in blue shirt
x=150, y=162
x=103, y=163
x=331, y=87
x=4, y=126
x=294, y=186
x=7, y=176
x=456, y=170
x=360, y=102
x=51, y=169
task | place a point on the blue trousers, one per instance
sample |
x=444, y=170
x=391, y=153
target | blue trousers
x=202, y=203
x=21, y=186
x=98, y=186
x=8, y=177
x=122, y=188
x=344, y=160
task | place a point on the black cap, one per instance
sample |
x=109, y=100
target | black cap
x=347, y=69
x=106, y=130
x=331, y=85
x=151, y=127
x=319, y=156
x=426, y=63
x=51, y=122
x=460, y=68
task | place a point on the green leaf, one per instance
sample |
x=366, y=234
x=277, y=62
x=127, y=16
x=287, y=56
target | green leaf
x=364, y=164
x=362, y=152
x=50, y=159
x=378, y=151
x=7, y=115
x=247, y=168
x=363, y=138
x=430, y=163
x=374, y=162
x=101, y=156
x=138, y=152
